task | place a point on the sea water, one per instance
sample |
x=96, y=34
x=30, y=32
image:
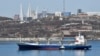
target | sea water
x=11, y=49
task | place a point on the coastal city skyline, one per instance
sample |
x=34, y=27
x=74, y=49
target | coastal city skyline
x=12, y=7
x=33, y=27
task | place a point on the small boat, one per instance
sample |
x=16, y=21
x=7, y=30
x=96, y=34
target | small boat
x=80, y=43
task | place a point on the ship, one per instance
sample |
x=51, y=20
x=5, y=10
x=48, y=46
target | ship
x=79, y=44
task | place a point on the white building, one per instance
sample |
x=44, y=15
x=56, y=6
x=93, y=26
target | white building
x=93, y=13
x=58, y=14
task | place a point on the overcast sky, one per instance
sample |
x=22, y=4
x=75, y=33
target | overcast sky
x=9, y=8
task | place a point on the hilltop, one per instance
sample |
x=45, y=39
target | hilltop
x=5, y=18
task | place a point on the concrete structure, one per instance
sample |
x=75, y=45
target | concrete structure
x=93, y=13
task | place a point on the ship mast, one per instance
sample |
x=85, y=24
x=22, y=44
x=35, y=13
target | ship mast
x=62, y=36
x=20, y=38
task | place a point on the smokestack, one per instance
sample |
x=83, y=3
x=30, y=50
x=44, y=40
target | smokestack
x=29, y=11
x=36, y=13
x=21, y=13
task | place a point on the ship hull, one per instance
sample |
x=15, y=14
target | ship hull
x=23, y=46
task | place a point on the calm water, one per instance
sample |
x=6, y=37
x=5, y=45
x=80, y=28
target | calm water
x=11, y=49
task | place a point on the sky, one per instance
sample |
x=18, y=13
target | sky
x=9, y=8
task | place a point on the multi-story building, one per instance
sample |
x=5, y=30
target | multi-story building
x=16, y=17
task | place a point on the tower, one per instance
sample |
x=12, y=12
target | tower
x=29, y=11
x=36, y=13
x=21, y=13
x=79, y=11
x=31, y=14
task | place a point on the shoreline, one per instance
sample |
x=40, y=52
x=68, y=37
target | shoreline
x=32, y=39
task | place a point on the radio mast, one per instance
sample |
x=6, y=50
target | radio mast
x=64, y=5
